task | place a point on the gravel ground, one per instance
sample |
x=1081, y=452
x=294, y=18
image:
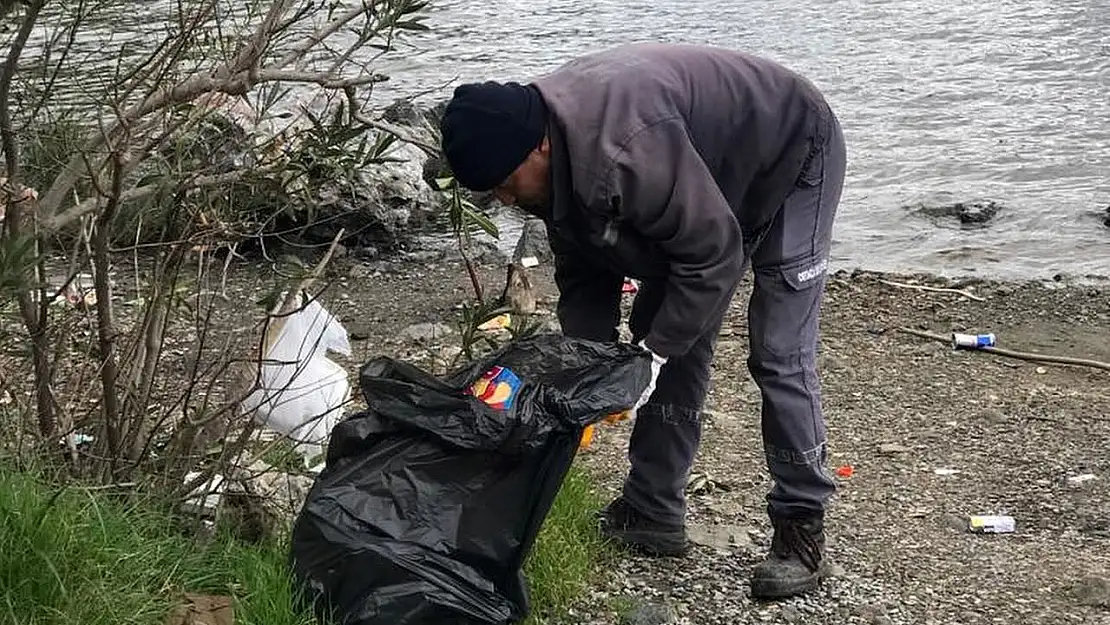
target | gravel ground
x=899, y=408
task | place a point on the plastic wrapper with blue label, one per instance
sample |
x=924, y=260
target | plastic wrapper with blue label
x=432, y=497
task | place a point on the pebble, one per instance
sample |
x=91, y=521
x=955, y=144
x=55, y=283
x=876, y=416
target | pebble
x=648, y=613
x=426, y=331
x=722, y=537
x=1092, y=591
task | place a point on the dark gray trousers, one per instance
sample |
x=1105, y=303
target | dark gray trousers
x=789, y=262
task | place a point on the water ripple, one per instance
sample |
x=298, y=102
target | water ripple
x=940, y=101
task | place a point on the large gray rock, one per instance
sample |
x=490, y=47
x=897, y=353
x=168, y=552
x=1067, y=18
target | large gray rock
x=379, y=206
x=972, y=213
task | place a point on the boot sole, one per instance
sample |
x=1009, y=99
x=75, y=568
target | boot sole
x=650, y=543
x=763, y=588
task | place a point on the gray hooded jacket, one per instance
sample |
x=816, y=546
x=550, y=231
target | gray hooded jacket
x=664, y=157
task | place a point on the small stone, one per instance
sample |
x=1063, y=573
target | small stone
x=647, y=613
x=426, y=331
x=722, y=537
x=1092, y=591
x=358, y=332
x=1079, y=480
x=730, y=509
x=956, y=522
x=1042, y=370
x=890, y=449
x=993, y=415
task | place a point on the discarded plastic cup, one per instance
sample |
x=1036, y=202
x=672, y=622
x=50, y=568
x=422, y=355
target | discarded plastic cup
x=991, y=524
x=972, y=341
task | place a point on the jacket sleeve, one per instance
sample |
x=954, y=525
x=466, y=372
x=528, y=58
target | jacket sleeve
x=659, y=186
x=589, y=296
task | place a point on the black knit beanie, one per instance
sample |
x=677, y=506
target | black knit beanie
x=488, y=129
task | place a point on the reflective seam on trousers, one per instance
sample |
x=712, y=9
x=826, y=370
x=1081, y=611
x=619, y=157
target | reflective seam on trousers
x=792, y=456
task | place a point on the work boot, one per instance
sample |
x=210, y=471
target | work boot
x=623, y=524
x=797, y=561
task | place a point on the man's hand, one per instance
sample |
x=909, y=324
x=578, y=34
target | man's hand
x=657, y=363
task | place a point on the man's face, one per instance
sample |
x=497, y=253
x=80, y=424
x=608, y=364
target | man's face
x=529, y=186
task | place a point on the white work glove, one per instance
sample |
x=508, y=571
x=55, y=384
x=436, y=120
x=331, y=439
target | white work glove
x=657, y=363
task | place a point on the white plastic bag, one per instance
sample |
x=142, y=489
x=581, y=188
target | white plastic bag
x=301, y=392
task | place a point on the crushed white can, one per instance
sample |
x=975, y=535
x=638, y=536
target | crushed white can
x=991, y=524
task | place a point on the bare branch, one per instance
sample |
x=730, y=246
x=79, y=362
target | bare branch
x=324, y=80
x=299, y=50
x=55, y=223
x=396, y=131
x=249, y=55
x=109, y=367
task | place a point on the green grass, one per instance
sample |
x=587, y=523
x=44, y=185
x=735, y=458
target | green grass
x=71, y=556
x=568, y=552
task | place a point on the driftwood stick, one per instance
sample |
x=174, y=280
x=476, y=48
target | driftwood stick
x=1032, y=357
x=932, y=289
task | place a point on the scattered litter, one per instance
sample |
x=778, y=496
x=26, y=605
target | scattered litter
x=946, y=471
x=587, y=437
x=845, y=471
x=301, y=392
x=1077, y=480
x=76, y=440
x=1042, y=370
x=972, y=341
x=991, y=524
x=79, y=292
x=204, y=500
x=704, y=483
x=588, y=433
x=630, y=286
x=499, y=322
x=529, y=261
x=617, y=417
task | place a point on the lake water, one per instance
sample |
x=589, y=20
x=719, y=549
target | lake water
x=940, y=102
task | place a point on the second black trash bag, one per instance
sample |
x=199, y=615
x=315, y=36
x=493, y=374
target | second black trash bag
x=433, y=496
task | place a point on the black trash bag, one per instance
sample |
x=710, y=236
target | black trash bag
x=431, y=499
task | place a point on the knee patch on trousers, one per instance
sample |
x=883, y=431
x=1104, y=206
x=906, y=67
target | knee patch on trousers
x=669, y=413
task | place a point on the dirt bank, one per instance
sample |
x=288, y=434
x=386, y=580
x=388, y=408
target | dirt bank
x=899, y=408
